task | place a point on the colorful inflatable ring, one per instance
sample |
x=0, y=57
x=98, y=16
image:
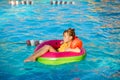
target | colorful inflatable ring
x=56, y=58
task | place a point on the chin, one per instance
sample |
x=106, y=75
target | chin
x=65, y=41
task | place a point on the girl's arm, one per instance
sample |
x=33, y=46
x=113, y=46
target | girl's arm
x=73, y=50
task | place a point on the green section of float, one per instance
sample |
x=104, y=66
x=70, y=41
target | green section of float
x=58, y=61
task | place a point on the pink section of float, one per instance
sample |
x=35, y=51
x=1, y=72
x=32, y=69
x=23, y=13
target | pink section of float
x=56, y=45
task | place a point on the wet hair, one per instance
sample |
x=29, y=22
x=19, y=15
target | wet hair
x=70, y=31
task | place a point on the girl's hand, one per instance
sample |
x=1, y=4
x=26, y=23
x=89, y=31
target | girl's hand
x=67, y=49
x=61, y=42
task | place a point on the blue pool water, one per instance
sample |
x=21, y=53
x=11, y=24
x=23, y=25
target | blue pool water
x=97, y=24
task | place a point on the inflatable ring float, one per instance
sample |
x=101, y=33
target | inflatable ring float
x=57, y=58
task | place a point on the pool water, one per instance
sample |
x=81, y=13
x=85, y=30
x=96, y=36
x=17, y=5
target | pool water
x=97, y=24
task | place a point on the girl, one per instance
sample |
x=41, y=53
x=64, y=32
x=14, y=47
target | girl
x=68, y=37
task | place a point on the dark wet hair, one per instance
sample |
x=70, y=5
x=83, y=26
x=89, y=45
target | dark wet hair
x=70, y=31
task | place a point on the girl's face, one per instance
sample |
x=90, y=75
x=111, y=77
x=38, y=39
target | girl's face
x=66, y=37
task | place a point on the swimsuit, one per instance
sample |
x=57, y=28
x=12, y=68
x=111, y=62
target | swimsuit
x=63, y=47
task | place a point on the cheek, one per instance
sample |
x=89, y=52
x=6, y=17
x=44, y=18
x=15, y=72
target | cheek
x=66, y=38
